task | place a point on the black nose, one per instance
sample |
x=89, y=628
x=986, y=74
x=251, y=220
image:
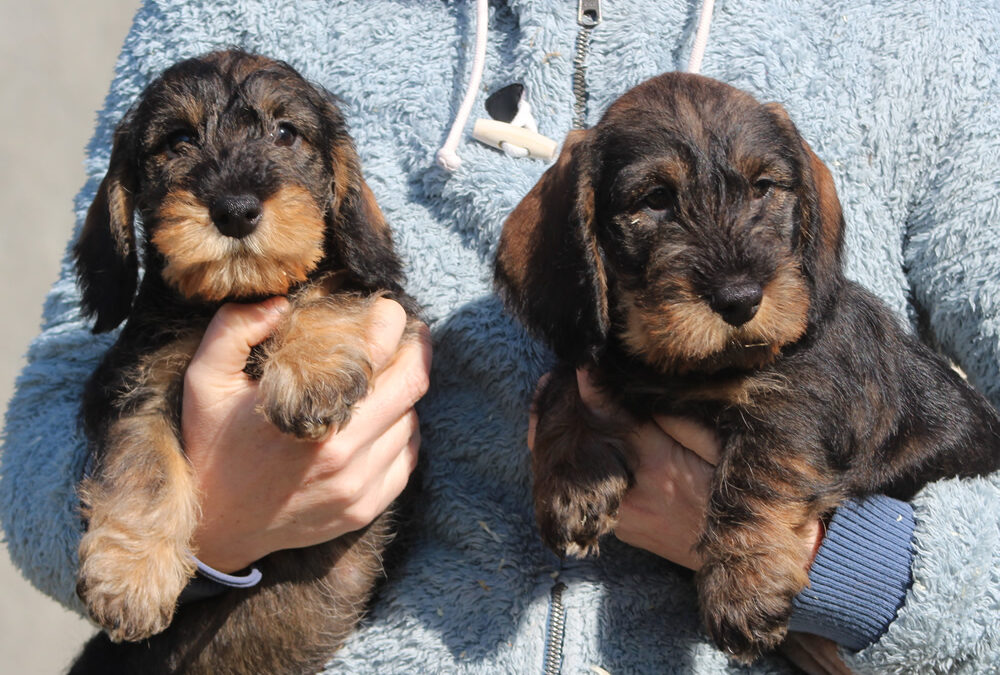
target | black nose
x=737, y=302
x=236, y=215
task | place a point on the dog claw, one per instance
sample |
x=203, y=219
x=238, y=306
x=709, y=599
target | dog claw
x=305, y=427
x=571, y=523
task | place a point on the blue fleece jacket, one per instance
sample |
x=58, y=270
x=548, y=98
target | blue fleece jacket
x=898, y=97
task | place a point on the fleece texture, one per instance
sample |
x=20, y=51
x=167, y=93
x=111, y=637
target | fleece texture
x=899, y=97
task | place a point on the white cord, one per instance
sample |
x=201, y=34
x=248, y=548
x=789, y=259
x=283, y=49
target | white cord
x=701, y=37
x=447, y=156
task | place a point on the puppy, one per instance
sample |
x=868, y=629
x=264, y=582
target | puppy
x=688, y=251
x=248, y=186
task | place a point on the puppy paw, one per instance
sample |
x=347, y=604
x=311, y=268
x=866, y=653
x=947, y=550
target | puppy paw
x=129, y=586
x=745, y=605
x=317, y=367
x=311, y=396
x=573, y=515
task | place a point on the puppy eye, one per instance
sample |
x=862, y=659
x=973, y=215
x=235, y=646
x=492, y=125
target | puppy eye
x=660, y=199
x=285, y=134
x=177, y=140
x=762, y=187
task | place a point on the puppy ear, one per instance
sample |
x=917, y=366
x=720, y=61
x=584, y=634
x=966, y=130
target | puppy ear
x=549, y=268
x=361, y=238
x=823, y=235
x=106, y=260
x=821, y=227
x=358, y=238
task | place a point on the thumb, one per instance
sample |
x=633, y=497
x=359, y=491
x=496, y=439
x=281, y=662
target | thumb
x=593, y=397
x=233, y=332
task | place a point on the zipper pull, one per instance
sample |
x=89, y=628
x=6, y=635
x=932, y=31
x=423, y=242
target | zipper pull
x=588, y=13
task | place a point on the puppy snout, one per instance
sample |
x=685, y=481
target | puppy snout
x=236, y=215
x=737, y=302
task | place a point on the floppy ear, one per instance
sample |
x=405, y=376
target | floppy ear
x=549, y=268
x=821, y=227
x=358, y=238
x=106, y=260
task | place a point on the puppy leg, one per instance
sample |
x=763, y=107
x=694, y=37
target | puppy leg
x=142, y=508
x=755, y=558
x=580, y=465
x=317, y=365
x=306, y=605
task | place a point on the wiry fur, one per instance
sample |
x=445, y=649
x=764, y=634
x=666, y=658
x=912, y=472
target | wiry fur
x=212, y=131
x=620, y=258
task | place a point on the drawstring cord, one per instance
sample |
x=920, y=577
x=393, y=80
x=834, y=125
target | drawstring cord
x=588, y=16
x=701, y=37
x=447, y=156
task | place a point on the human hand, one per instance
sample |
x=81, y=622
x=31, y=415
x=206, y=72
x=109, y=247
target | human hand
x=264, y=491
x=814, y=655
x=665, y=509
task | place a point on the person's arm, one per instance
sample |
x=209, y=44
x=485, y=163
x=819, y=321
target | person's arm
x=859, y=563
x=264, y=491
x=261, y=490
x=927, y=581
x=950, y=618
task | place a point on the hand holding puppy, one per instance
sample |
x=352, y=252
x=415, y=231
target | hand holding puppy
x=664, y=510
x=263, y=490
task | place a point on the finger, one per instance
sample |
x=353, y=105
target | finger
x=389, y=465
x=592, y=397
x=398, y=474
x=394, y=392
x=533, y=410
x=385, y=331
x=394, y=443
x=532, y=426
x=697, y=438
x=233, y=332
x=644, y=528
x=542, y=381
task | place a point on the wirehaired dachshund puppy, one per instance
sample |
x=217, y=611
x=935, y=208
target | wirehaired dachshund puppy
x=248, y=186
x=687, y=251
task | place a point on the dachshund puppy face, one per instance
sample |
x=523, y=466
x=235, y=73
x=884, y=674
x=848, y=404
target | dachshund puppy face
x=235, y=160
x=689, y=224
x=696, y=211
x=241, y=171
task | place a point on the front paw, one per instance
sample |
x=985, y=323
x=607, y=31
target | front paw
x=310, y=395
x=745, y=604
x=573, y=514
x=130, y=588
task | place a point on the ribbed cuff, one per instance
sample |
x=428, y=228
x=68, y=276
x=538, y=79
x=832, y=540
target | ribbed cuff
x=861, y=573
x=209, y=582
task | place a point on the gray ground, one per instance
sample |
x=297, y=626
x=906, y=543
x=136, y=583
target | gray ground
x=58, y=58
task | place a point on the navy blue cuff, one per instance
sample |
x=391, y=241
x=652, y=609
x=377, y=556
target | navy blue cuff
x=209, y=582
x=861, y=573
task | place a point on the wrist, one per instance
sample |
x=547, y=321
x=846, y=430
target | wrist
x=225, y=550
x=209, y=582
x=860, y=575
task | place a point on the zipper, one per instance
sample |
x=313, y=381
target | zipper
x=588, y=16
x=556, y=631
